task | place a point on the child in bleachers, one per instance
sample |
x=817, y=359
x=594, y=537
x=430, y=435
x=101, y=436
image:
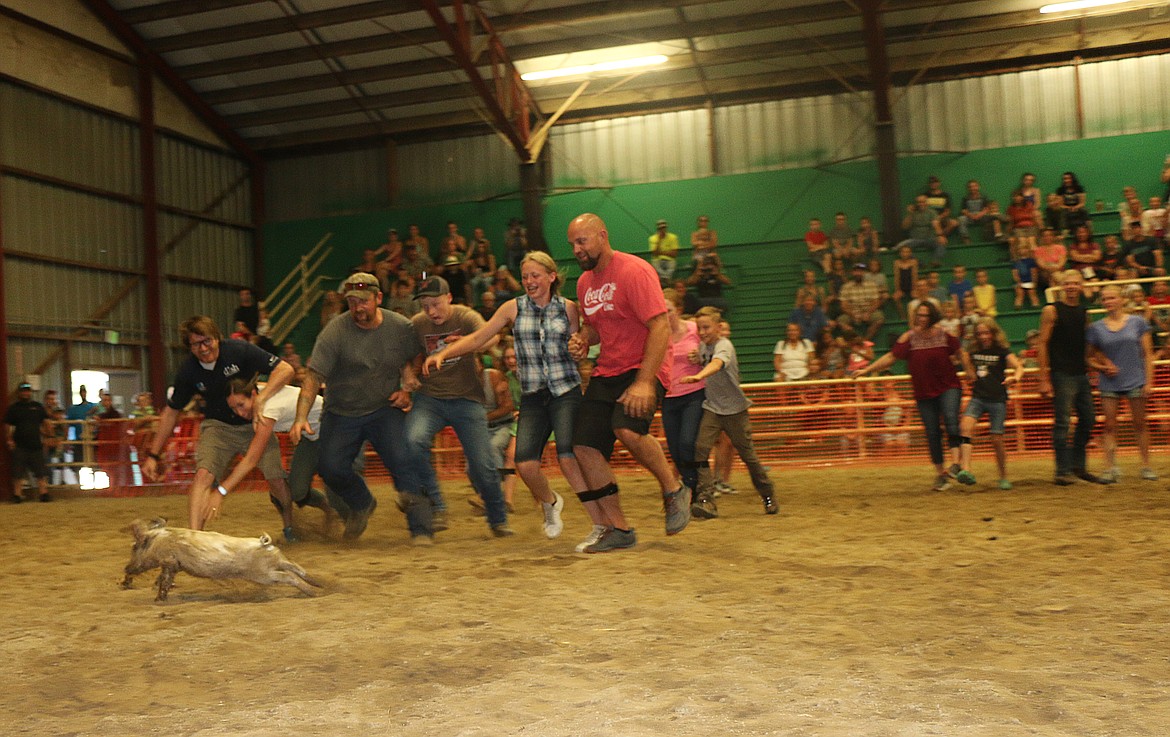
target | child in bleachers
x=810, y=288
x=971, y=317
x=860, y=353
x=868, y=240
x=984, y=294
x=905, y=275
x=935, y=289
x=1024, y=275
x=817, y=243
x=1022, y=217
x=998, y=224
x=950, y=319
x=1112, y=258
x=1030, y=355
x=1054, y=214
x=841, y=239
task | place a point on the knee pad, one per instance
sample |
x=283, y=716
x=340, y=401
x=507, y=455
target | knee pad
x=276, y=503
x=507, y=471
x=595, y=494
x=954, y=441
x=965, y=440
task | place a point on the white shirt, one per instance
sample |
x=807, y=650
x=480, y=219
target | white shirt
x=794, y=360
x=282, y=410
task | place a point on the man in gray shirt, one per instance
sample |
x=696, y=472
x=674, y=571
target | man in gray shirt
x=361, y=357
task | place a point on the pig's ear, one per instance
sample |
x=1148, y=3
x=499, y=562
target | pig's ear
x=156, y=523
x=138, y=529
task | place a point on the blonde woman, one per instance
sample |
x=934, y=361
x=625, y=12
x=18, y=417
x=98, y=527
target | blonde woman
x=1121, y=348
x=542, y=322
x=986, y=362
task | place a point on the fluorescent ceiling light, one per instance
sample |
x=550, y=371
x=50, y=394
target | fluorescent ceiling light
x=1078, y=5
x=605, y=66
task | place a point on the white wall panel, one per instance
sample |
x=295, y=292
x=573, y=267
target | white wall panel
x=647, y=148
x=207, y=251
x=1126, y=96
x=202, y=180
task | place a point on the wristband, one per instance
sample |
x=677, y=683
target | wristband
x=222, y=491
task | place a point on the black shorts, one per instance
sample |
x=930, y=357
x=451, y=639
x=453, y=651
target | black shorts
x=600, y=414
x=24, y=461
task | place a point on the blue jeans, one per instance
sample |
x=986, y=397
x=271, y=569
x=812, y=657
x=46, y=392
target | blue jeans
x=469, y=420
x=542, y=415
x=938, y=250
x=680, y=421
x=1071, y=391
x=944, y=408
x=341, y=441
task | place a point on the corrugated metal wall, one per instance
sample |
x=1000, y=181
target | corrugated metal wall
x=459, y=170
x=327, y=184
x=71, y=192
x=647, y=148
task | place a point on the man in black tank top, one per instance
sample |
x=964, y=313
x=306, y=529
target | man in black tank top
x=1063, y=376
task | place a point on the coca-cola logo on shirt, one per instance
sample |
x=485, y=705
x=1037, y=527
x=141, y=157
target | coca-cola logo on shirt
x=599, y=298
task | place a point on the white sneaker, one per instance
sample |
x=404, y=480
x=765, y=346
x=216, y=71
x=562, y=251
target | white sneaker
x=552, y=516
x=594, y=536
x=1112, y=476
x=1149, y=475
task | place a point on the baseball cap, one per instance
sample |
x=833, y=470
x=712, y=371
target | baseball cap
x=863, y=267
x=24, y=385
x=432, y=286
x=360, y=284
x=661, y=223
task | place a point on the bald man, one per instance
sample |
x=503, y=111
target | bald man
x=625, y=312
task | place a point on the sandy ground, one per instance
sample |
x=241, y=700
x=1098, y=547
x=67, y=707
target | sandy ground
x=869, y=606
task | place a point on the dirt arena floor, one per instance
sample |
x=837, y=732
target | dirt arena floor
x=869, y=607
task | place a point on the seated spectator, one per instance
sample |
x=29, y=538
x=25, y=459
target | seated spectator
x=515, y=244
x=1054, y=214
x=841, y=239
x=708, y=281
x=969, y=316
x=817, y=243
x=1111, y=259
x=1084, y=253
x=922, y=294
x=936, y=289
x=1159, y=303
x=810, y=288
x=959, y=287
x=791, y=356
x=1130, y=211
x=247, y=311
x=975, y=212
x=453, y=234
x=868, y=240
x=288, y=352
x=1143, y=254
x=1051, y=259
x=860, y=304
x=810, y=318
x=691, y=303
x=950, y=319
x=1024, y=274
x=876, y=277
x=924, y=230
x=1030, y=354
x=368, y=264
x=480, y=266
x=859, y=355
x=505, y=285
x=1021, y=216
x=905, y=276
x=1135, y=301
x=401, y=299
x=836, y=278
x=983, y=295
x=939, y=201
x=420, y=242
x=663, y=252
x=831, y=355
x=703, y=239
x=414, y=259
x=1154, y=220
x=391, y=250
x=487, y=305
x=331, y=306
x=1073, y=199
x=998, y=226
x=450, y=267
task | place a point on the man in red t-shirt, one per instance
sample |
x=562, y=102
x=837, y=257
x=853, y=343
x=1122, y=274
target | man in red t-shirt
x=626, y=313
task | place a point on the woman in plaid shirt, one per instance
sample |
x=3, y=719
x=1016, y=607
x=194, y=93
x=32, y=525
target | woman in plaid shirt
x=542, y=322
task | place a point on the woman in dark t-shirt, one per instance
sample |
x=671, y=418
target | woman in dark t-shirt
x=986, y=364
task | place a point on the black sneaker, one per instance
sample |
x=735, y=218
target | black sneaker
x=770, y=506
x=1092, y=478
x=1063, y=480
x=356, y=523
x=613, y=539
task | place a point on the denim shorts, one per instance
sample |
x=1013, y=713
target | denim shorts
x=1131, y=394
x=541, y=415
x=996, y=413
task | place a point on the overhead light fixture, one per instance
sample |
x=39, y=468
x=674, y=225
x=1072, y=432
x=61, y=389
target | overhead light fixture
x=605, y=66
x=1079, y=5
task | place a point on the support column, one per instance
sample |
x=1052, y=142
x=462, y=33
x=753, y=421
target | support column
x=5, y=390
x=152, y=260
x=532, y=190
x=885, y=149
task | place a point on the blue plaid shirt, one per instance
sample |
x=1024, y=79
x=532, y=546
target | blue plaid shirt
x=542, y=347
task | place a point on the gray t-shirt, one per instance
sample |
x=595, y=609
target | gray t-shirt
x=457, y=378
x=724, y=397
x=361, y=367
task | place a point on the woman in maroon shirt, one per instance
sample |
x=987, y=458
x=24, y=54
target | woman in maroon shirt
x=928, y=351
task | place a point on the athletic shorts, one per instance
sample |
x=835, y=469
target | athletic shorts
x=220, y=442
x=996, y=413
x=25, y=461
x=600, y=413
x=1131, y=394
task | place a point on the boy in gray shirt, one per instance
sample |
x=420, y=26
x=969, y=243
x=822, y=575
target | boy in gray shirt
x=724, y=410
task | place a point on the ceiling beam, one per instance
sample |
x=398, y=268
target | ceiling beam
x=283, y=24
x=961, y=63
x=179, y=8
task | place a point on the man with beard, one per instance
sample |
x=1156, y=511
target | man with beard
x=626, y=313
